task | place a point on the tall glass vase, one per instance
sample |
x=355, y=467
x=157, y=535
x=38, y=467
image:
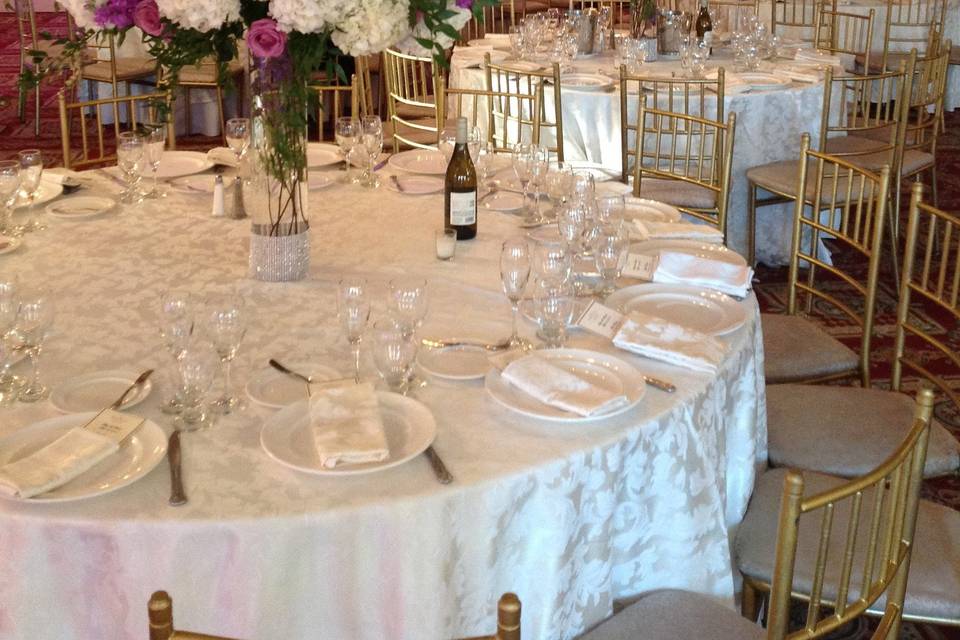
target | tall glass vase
x=274, y=172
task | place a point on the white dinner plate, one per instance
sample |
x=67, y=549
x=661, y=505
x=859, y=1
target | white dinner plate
x=273, y=389
x=762, y=81
x=409, y=427
x=94, y=391
x=45, y=193
x=703, y=310
x=599, y=172
x=690, y=247
x=79, y=207
x=142, y=451
x=493, y=45
x=613, y=188
x=202, y=183
x=529, y=312
x=317, y=180
x=464, y=362
x=414, y=185
x=649, y=210
x=422, y=161
x=504, y=201
x=176, y=164
x=605, y=371
x=9, y=243
x=585, y=81
x=323, y=154
x=521, y=65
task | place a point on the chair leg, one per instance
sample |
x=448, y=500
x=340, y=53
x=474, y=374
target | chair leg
x=223, y=122
x=36, y=113
x=893, y=212
x=752, y=225
x=189, y=110
x=933, y=186
x=750, y=602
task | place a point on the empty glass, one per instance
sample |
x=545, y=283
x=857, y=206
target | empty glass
x=197, y=366
x=9, y=189
x=371, y=141
x=9, y=310
x=407, y=302
x=225, y=326
x=238, y=136
x=609, y=253
x=553, y=307
x=33, y=322
x=154, y=142
x=176, y=323
x=353, y=309
x=610, y=210
x=523, y=166
x=514, y=273
x=539, y=167
x=552, y=261
x=559, y=184
x=31, y=170
x=130, y=152
x=394, y=352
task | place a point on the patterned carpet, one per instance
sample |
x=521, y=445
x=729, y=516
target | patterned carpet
x=16, y=135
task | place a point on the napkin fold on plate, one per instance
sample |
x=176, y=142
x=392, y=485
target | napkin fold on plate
x=548, y=383
x=223, y=156
x=661, y=340
x=798, y=73
x=815, y=55
x=656, y=230
x=674, y=267
x=56, y=464
x=346, y=425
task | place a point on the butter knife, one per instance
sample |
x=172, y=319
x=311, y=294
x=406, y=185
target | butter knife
x=657, y=383
x=136, y=383
x=439, y=469
x=177, y=495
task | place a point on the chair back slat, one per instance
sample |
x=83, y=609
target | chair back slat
x=411, y=82
x=496, y=19
x=335, y=99
x=923, y=112
x=798, y=17
x=841, y=32
x=520, y=110
x=911, y=25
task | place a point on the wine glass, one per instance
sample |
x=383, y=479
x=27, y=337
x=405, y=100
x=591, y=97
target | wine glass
x=408, y=303
x=197, y=366
x=347, y=132
x=394, y=352
x=9, y=310
x=514, y=273
x=130, y=152
x=371, y=137
x=154, y=142
x=238, y=136
x=609, y=247
x=31, y=170
x=610, y=210
x=559, y=184
x=176, y=329
x=539, y=167
x=523, y=166
x=353, y=309
x=553, y=307
x=226, y=325
x=34, y=319
x=9, y=189
x=552, y=260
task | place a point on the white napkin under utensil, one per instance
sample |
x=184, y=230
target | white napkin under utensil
x=56, y=464
x=560, y=388
x=346, y=425
x=223, y=156
x=656, y=230
x=661, y=340
x=674, y=267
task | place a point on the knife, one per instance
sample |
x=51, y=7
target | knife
x=136, y=383
x=439, y=469
x=177, y=495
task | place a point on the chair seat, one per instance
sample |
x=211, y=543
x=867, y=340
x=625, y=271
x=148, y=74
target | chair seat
x=415, y=112
x=206, y=73
x=416, y=135
x=127, y=69
x=679, y=193
x=894, y=58
x=858, y=150
x=781, y=178
x=847, y=431
x=676, y=615
x=933, y=589
x=796, y=349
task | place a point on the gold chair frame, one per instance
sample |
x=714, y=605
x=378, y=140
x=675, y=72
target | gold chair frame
x=411, y=83
x=209, y=69
x=114, y=77
x=83, y=107
x=845, y=32
x=508, y=619
x=339, y=97
x=518, y=98
x=496, y=19
x=892, y=513
x=797, y=14
x=909, y=16
x=703, y=160
x=451, y=103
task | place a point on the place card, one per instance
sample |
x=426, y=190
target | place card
x=114, y=425
x=640, y=266
x=601, y=320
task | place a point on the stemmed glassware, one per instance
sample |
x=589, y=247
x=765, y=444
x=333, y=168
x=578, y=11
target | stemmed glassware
x=154, y=142
x=514, y=273
x=176, y=321
x=197, y=366
x=553, y=308
x=408, y=303
x=523, y=167
x=130, y=152
x=31, y=170
x=225, y=326
x=34, y=320
x=371, y=139
x=9, y=190
x=559, y=184
x=609, y=247
x=539, y=167
x=394, y=352
x=238, y=136
x=9, y=310
x=353, y=308
x=484, y=162
x=552, y=260
x=347, y=132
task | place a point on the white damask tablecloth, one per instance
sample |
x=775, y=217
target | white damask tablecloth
x=567, y=516
x=769, y=126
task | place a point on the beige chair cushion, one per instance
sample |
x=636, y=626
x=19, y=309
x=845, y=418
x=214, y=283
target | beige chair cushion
x=206, y=72
x=859, y=150
x=676, y=615
x=796, y=349
x=127, y=69
x=934, y=585
x=846, y=431
x=678, y=193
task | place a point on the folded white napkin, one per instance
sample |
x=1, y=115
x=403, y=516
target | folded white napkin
x=55, y=464
x=656, y=230
x=560, y=388
x=223, y=156
x=346, y=425
x=798, y=73
x=661, y=340
x=815, y=55
x=682, y=268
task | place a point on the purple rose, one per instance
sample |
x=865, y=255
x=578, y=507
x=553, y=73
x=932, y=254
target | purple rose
x=265, y=40
x=147, y=17
x=115, y=14
x=465, y=4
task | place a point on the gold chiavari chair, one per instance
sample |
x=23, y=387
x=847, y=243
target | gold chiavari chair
x=520, y=105
x=699, y=97
x=160, y=611
x=98, y=141
x=335, y=99
x=909, y=25
x=842, y=32
x=475, y=104
x=206, y=75
x=107, y=67
x=685, y=160
x=508, y=619
x=835, y=429
x=411, y=101
x=868, y=524
x=496, y=19
x=726, y=13
x=32, y=49
x=797, y=18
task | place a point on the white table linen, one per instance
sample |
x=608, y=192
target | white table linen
x=569, y=517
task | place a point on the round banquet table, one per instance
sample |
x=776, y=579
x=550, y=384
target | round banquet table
x=769, y=126
x=569, y=516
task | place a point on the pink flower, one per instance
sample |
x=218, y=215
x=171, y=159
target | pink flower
x=265, y=40
x=147, y=17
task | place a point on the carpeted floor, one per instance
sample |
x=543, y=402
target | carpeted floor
x=16, y=135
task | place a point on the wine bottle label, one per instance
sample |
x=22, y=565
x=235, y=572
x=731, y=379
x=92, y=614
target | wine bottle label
x=463, y=208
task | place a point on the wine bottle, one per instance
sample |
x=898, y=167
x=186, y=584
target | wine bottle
x=704, y=26
x=460, y=188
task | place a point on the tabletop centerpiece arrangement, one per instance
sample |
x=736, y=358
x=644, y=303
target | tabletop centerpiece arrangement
x=290, y=42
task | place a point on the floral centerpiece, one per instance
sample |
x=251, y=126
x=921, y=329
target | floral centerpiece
x=289, y=41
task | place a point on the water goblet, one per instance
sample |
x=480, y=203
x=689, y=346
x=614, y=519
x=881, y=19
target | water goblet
x=571, y=223
x=197, y=368
x=517, y=45
x=610, y=210
x=559, y=185
x=699, y=52
x=371, y=138
x=394, y=352
x=346, y=132
x=154, y=142
x=31, y=170
x=539, y=167
x=225, y=326
x=130, y=152
x=553, y=308
x=9, y=189
x=484, y=163
x=238, y=136
x=609, y=253
x=176, y=322
x=523, y=166
x=408, y=303
x=353, y=309
x=552, y=260
x=514, y=273
x=9, y=310
x=33, y=321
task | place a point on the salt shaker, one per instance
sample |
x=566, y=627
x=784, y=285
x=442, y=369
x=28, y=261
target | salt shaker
x=217, y=211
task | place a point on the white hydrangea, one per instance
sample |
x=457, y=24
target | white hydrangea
x=202, y=15
x=458, y=22
x=305, y=16
x=82, y=12
x=370, y=26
